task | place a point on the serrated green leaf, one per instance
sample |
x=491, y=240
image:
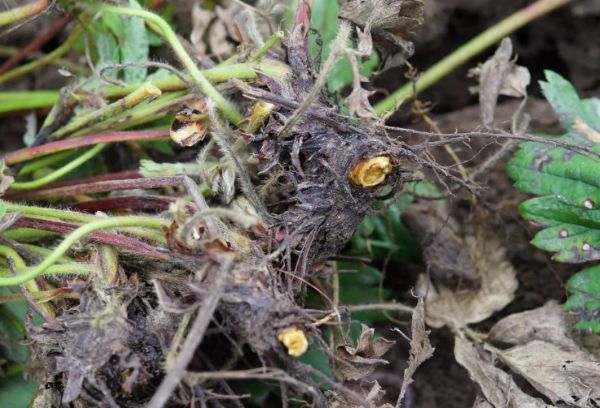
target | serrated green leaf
x=566, y=103
x=584, y=298
x=569, y=184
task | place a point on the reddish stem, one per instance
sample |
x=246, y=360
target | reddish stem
x=36, y=44
x=29, y=153
x=82, y=187
x=103, y=237
x=137, y=203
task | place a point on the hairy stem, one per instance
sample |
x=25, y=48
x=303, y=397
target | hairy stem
x=67, y=243
x=204, y=86
x=58, y=173
x=30, y=153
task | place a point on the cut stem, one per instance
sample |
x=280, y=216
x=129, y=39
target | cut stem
x=460, y=56
x=138, y=96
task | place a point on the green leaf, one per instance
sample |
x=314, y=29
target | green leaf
x=16, y=392
x=566, y=103
x=569, y=186
x=135, y=46
x=584, y=299
x=324, y=21
x=107, y=49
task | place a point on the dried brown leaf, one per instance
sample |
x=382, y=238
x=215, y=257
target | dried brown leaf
x=447, y=258
x=420, y=348
x=445, y=306
x=571, y=376
x=498, y=388
x=545, y=323
x=393, y=20
x=361, y=360
x=499, y=75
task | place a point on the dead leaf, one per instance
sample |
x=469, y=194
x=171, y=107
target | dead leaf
x=420, y=347
x=390, y=22
x=499, y=75
x=497, y=387
x=445, y=306
x=481, y=402
x=444, y=251
x=214, y=29
x=370, y=392
x=571, y=376
x=360, y=361
x=545, y=323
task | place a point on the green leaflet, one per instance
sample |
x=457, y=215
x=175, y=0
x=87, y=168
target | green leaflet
x=568, y=184
x=584, y=288
x=135, y=48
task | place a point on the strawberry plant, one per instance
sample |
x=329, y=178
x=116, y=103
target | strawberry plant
x=568, y=190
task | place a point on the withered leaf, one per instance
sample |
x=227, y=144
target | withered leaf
x=420, y=347
x=498, y=388
x=362, y=359
x=545, y=323
x=571, y=376
x=370, y=392
x=390, y=22
x=393, y=20
x=499, y=75
x=498, y=283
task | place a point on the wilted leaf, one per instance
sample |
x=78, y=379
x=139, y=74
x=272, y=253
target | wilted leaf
x=499, y=75
x=360, y=361
x=498, y=388
x=498, y=284
x=544, y=323
x=571, y=376
x=370, y=393
x=444, y=252
x=420, y=347
x=391, y=21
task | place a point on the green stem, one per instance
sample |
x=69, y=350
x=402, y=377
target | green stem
x=65, y=245
x=55, y=175
x=44, y=162
x=20, y=265
x=13, y=101
x=146, y=91
x=460, y=56
x=59, y=269
x=24, y=100
x=46, y=59
x=22, y=12
x=266, y=46
x=6, y=51
x=226, y=107
x=74, y=216
x=220, y=73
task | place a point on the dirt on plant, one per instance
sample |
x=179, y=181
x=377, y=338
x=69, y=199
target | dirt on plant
x=222, y=281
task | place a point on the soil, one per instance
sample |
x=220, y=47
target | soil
x=561, y=41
